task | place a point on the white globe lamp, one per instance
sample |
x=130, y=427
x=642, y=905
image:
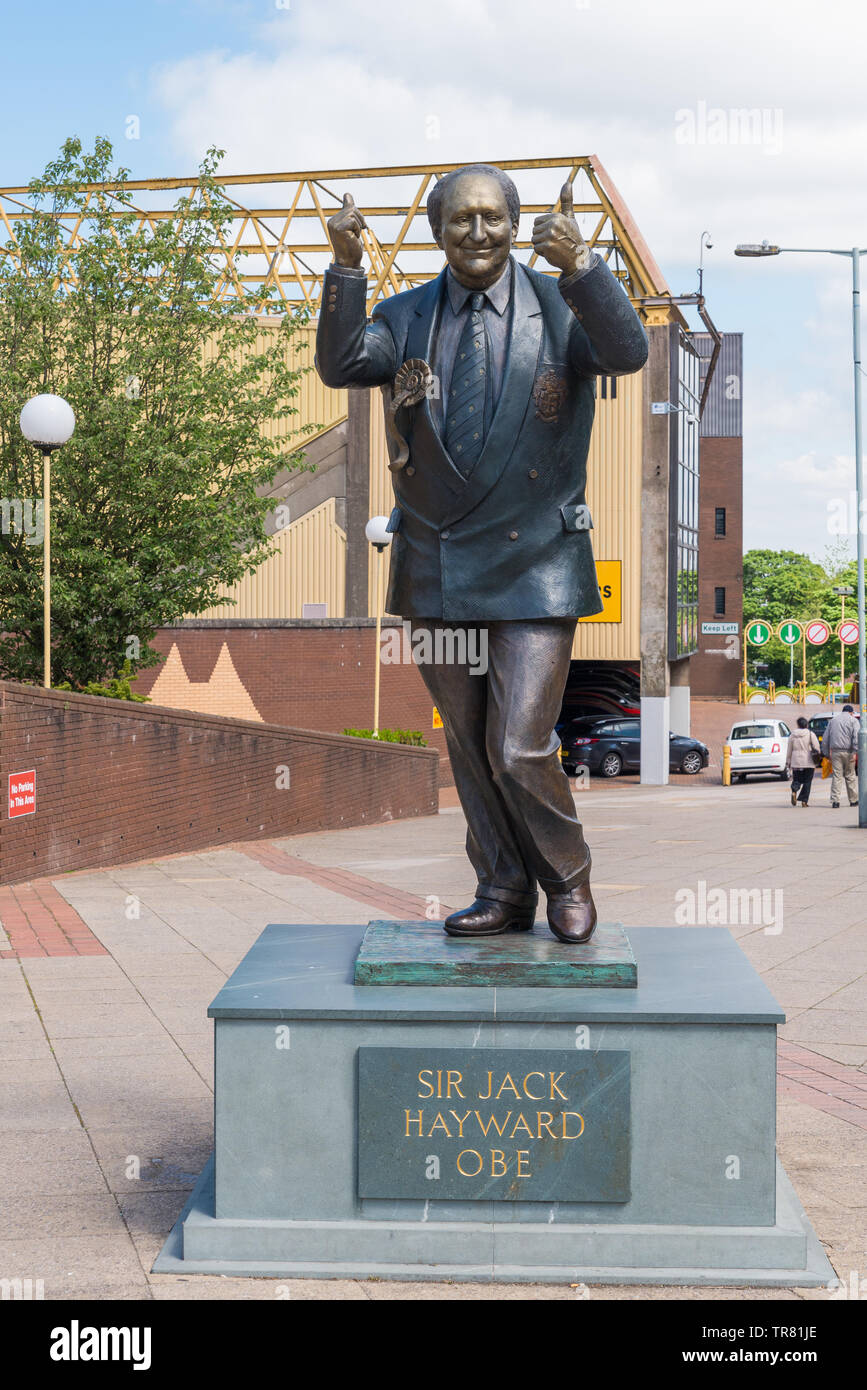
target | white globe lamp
x=47, y=421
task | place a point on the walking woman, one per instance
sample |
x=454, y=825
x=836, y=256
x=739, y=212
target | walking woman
x=802, y=756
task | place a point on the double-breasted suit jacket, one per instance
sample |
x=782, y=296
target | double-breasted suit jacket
x=511, y=540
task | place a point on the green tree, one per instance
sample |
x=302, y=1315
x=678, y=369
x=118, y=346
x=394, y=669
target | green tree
x=176, y=387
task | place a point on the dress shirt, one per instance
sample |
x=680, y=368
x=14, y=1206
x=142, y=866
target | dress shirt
x=496, y=314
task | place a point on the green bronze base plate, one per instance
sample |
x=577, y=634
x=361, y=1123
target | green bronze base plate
x=420, y=953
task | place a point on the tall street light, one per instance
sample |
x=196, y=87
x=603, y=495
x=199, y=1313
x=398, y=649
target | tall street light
x=47, y=421
x=379, y=536
x=855, y=256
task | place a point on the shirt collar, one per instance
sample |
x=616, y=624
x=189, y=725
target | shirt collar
x=497, y=294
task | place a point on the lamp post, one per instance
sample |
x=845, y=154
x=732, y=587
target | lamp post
x=379, y=536
x=855, y=254
x=47, y=421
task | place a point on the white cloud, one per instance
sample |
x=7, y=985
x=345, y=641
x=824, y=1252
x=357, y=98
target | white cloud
x=345, y=84
x=818, y=478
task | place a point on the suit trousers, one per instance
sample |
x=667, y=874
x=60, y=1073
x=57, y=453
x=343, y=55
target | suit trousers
x=499, y=712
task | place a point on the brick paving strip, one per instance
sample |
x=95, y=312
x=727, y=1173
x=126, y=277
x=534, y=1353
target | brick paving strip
x=40, y=922
x=405, y=906
x=825, y=1085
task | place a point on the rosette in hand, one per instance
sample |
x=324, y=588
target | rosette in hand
x=411, y=384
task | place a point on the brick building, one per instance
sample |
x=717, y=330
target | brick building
x=716, y=666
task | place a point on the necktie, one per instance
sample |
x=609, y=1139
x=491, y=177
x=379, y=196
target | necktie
x=465, y=413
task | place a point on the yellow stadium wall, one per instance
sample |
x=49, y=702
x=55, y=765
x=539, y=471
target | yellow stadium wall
x=308, y=566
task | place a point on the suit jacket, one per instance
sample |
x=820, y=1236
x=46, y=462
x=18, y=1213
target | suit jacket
x=511, y=540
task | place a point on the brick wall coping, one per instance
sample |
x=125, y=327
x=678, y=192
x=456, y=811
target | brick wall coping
x=132, y=709
x=389, y=620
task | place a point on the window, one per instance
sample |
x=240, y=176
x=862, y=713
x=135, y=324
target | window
x=749, y=732
x=719, y=601
x=719, y=521
x=683, y=511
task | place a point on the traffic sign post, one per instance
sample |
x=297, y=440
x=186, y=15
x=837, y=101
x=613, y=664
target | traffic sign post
x=847, y=632
x=791, y=633
x=757, y=632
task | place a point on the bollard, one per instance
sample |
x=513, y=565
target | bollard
x=727, y=765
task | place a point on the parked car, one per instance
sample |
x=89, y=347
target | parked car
x=759, y=745
x=620, y=681
x=596, y=705
x=611, y=746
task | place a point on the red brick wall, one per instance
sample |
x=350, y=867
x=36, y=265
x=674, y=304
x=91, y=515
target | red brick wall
x=117, y=782
x=721, y=562
x=307, y=676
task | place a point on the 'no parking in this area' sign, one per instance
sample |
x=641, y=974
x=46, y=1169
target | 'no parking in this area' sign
x=22, y=793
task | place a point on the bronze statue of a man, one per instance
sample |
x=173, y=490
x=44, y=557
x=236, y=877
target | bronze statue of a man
x=491, y=529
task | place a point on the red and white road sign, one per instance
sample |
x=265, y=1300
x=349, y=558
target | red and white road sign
x=848, y=633
x=817, y=632
x=22, y=793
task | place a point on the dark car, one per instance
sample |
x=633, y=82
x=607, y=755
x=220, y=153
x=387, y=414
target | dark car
x=576, y=691
x=597, y=706
x=819, y=723
x=611, y=746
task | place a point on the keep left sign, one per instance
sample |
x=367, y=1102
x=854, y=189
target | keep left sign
x=22, y=793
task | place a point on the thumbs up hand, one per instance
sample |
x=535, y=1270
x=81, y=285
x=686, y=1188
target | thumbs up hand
x=344, y=231
x=557, y=237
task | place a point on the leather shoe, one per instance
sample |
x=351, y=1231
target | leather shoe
x=572, y=915
x=487, y=917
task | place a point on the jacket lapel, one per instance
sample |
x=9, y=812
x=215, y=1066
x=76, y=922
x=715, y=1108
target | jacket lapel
x=419, y=343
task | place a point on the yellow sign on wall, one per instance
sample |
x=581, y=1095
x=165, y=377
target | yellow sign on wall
x=608, y=578
x=437, y=719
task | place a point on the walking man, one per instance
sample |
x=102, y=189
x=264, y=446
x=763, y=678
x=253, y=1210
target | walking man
x=840, y=744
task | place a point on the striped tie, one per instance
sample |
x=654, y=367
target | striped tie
x=465, y=414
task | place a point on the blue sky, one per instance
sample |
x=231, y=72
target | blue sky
x=654, y=91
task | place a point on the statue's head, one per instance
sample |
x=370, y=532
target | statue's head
x=473, y=214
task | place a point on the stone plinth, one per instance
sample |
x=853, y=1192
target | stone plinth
x=621, y=1135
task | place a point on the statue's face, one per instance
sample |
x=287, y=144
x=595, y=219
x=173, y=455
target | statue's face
x=476, y=233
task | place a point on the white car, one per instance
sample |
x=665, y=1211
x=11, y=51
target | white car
x=759, y=745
